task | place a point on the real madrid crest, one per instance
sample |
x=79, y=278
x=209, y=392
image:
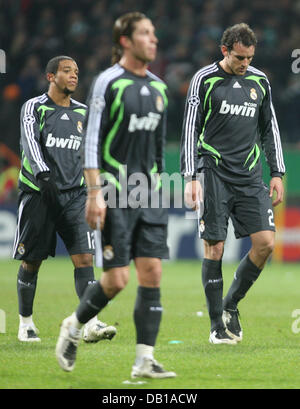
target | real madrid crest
x=21, y=249
x=253, y=93
x=201, y=226
x=108, y=252
x=79, y=126
x=159, y=103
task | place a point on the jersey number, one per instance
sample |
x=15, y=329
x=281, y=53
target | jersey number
x=91, y=241
x=271, y=217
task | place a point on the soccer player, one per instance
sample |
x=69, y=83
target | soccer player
x=229, y=119
x=125, y=134
x=53, y=193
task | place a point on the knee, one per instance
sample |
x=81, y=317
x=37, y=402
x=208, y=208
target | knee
x=150, y=275
x=82, y=260
x=261, y=251
x=267, y=247
x=114, y=282
x=119, y=284
x=31, y=266
x=213, y=250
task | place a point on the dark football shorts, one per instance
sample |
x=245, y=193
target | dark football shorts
x=249, y=207
x=36, y=238
x=129, y=233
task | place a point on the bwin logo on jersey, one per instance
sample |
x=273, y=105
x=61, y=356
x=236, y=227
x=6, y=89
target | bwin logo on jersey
x=148, y=123
x=69, y=143
x=248, y=109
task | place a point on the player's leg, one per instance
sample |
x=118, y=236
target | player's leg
x=253, y=217
x=26, y=288
x=77, y=237
x=245, y=276
x=212, y=280
x=217, y=204
x=147, y=318
x=250, y=267
x=97, y=295
x=149, y=247
x=95, y=298
x=35, y=239
x=83, y=272
x=94, y=330
x=79, y=241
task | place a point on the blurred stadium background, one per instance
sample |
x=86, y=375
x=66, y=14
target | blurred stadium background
x=33, y=31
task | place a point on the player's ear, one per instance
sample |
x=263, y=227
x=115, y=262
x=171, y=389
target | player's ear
x=124, y=41
x=224, y=50
x=50, y=76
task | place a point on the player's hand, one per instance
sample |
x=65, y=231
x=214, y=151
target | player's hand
x=95, y=210
x=277, y=186
x=48, y=189
x=193, y=194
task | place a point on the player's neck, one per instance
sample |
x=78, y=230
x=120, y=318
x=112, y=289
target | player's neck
x=226, y=67
x=134, y=65
x=59, y=97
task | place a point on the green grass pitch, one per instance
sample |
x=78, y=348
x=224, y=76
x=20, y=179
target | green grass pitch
x=268, y=356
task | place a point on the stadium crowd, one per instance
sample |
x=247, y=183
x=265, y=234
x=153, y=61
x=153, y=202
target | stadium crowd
x=189, y=31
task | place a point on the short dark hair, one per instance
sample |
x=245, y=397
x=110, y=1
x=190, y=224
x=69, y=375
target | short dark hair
x=52, y=65
x=124, y=26
x=239, y=33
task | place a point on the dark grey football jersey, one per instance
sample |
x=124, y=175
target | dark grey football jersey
x=228, y=121
x=126, y=124
x=51, y=141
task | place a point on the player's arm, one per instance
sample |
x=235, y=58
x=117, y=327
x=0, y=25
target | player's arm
x=31, y=138
x=271, y=144
x=189, y=139
x=95, y=210
x=32, y=149
x=95, y=123
x=160, y=143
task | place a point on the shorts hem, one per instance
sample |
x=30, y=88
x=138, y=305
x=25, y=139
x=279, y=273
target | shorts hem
x=241, y=236
x=74, y=252
x=32, y=258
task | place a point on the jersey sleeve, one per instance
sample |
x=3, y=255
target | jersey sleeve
x=191, y=128
x=31, y=137
x=160, y=142
x=95, y=121
x=270, y=135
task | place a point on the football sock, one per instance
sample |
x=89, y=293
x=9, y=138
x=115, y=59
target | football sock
x=143, y=351
x=244, y=277
x=91, y=303
x=83, y=276
x=26, y=320
x=213, y=287
x=147, y=315
x=26, y=286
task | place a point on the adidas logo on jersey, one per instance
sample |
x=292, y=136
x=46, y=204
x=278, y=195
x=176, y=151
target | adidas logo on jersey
x=248, y=109
x=236, y=85
x=144, y=91
x=73, y=142
x=65, y=117
x=148, y=123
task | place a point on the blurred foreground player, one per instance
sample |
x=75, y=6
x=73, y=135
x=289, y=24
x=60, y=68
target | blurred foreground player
x=53, y=193
x=125, y=135
x=229, y=117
